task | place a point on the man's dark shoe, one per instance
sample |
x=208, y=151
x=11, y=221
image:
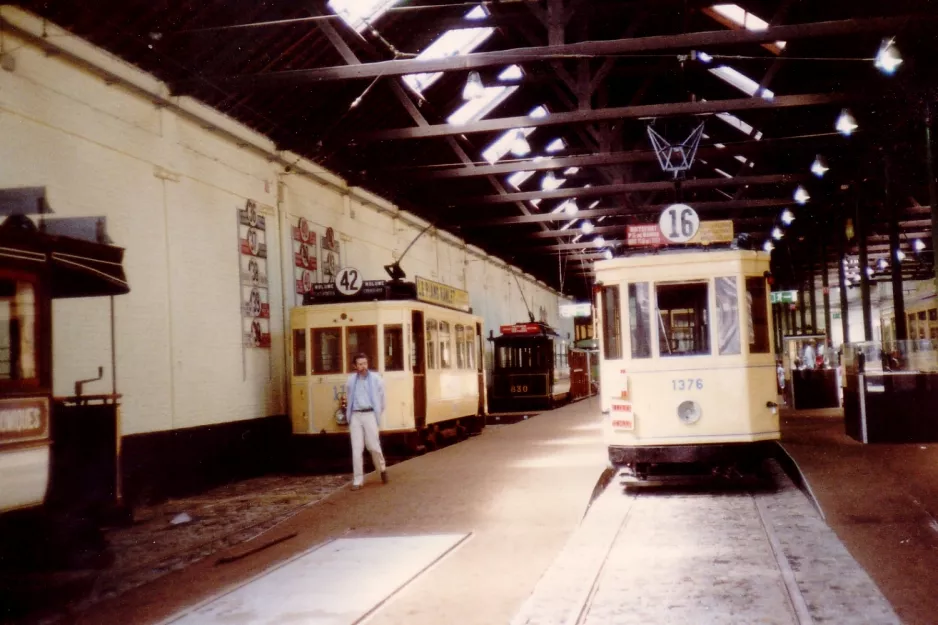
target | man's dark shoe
x=384, y=477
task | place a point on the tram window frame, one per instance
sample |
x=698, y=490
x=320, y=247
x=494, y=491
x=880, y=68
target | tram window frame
x=757, y=295
x=300, y=360
x=369, y=346
x=446, y=346
x=459, y=331
x=393, y=338
x=432, y=332
x=612, y=322
x=28, y=327
x=727, y=315
x=470, y=348
x=695, y=313
x=640, y=320
x=318, y=357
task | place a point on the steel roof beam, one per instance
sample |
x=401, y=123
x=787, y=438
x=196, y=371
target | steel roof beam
x=623, y=112
x=687, y=41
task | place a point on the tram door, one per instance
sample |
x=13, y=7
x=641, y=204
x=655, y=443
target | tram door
x=480, y=367
x=420, y=370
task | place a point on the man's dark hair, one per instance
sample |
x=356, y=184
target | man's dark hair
x=359, y=356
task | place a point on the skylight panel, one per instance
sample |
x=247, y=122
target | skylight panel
x=512, y=72
x=741, y=18
x=360, y=13
x=517, y=179
x=737, y=123
x=570, y=171
x=538, y=112
x=722, y=173
x=474, y=110
x=594, y=204
x=742, y=82
x=502, y=145
x=556, y=145
x=456, y=42
x=550, y=182
x=478, y=13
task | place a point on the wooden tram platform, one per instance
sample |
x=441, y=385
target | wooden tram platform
x=882, y=502
x=507, y=501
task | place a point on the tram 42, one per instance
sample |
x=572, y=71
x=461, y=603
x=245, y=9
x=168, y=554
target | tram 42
x=531, y=370
x=687, y=367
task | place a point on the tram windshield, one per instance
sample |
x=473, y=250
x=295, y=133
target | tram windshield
x=18, y=352
x=523, y=354
x=683, y=319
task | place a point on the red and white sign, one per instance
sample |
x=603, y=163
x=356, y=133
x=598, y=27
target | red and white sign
x=644, y=235
x=24, y=419
x=622, y=417
x=305, y=283
x=521, y=328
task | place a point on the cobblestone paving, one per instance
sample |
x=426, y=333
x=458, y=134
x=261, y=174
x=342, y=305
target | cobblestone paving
x=705, y=556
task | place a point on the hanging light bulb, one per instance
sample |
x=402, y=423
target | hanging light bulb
x=819, y=166
x=777, y=233
x=883, y=264
x=519, y=145
x=768, y=246
x=900, y=255
x=570, y=208
x=918, y=245
x=474, y=88
x=599, y=241
x=587, y=227
x=869, y=272
x=801, y=195
x=607, y=254
x=888, y=58
x=846, y=123
x=787, y=217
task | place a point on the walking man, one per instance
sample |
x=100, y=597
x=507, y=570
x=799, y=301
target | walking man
x=364, y=391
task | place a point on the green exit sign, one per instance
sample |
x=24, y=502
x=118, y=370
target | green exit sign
x=784, y=297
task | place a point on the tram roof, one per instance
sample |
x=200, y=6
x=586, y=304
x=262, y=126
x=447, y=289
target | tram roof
x=374, y=90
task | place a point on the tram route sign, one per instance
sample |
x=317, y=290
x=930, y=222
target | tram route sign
x=521, y=328
x=582, y=309
x=649, y=235
x=24, y=419
x=784, y=297
x=441, y=294
x=679, y=223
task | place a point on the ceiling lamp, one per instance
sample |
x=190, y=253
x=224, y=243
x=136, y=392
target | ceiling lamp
x=819, y=166
x=549, y=181
x=587, y=227
x=888, y=58
x=918, y=245
x=869, y=272
x=882, y=264
x=570, y=208
x=900, y=255
x=607, y=254
x=474, y=88
x=519, y=145
x=599, y=241
x=768, y=246
x=846, y=123
x=777, y=233
x=787, y=217
x=801, y=195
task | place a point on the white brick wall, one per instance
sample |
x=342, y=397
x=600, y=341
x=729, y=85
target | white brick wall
x=169, y=189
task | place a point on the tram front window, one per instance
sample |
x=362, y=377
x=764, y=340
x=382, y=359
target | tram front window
x=683, y=319
x=18, y=357
x=393, y=348
x=327, y=350
x=526, y=356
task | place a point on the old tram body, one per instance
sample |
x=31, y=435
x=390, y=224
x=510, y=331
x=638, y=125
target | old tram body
x=429, y=356
x=531, y=368
x=687, y=372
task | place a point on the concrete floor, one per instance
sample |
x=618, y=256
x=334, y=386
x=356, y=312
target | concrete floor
x=518, y=490
x=882, y=502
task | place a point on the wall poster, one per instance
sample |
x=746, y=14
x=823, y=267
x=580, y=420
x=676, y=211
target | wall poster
x=255, y=298
x=331, y=262
x=305, y=258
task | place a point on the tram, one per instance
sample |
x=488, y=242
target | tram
x=531, y=368
x=921, y=310
x=420, y=336
x=687, y=372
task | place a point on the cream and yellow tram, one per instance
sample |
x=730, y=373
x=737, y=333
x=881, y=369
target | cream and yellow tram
x=687, y=372
x=428, y=354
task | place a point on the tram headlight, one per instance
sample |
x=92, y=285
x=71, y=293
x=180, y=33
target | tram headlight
x=689, y=412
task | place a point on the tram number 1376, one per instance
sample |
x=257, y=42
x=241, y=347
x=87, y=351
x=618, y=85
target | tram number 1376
x=519, y=388
x=687, y=384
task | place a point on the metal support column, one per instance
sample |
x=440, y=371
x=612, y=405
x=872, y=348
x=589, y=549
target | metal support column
x=842, y=277
x=864, y=273
x=895, y=264
x=826, y=292
x=812, y=296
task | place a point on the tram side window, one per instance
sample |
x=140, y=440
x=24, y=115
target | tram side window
x=361, y=340
x=446, y=355
x=460, y=347
x=327, y=350
x=727, y=316
x=612, y=323
x=683, y=319
x=470, y=348
x=18, y=310
x=299, y=352
x=394, y=347
x=640, y=320
x=432, y=333
x=758, y=315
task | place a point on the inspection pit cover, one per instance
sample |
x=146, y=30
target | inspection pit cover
x=338, y=583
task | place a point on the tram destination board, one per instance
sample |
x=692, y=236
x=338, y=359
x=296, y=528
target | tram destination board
x=328, y=293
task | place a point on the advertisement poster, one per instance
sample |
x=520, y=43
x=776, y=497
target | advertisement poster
x=305, y=257
x=255, y=302
x=330, y=256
